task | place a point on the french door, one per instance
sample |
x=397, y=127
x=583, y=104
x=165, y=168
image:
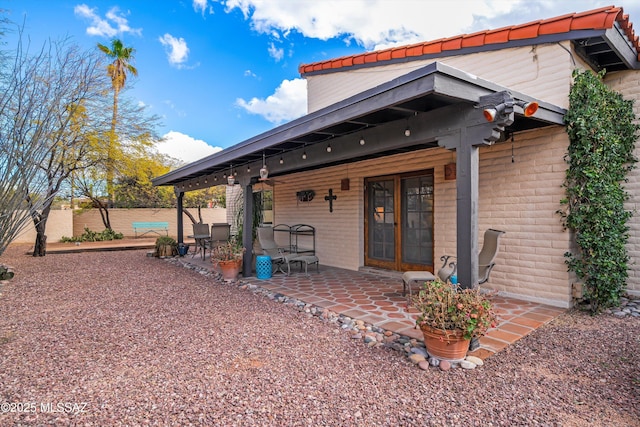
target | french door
x=399, y=221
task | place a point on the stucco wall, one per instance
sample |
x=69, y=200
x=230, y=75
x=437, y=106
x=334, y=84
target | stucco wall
x=67, y=223
x=520, y=198
x=628, y=83
x=60, y=223
x=542, y=71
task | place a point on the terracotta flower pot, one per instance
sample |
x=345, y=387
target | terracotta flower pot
x=165, y=251
x=445, y=345
x=230, y=269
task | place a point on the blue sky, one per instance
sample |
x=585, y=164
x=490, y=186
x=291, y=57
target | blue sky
x=219, y=72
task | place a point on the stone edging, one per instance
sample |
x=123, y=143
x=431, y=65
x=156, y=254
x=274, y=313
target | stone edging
x=370, y=335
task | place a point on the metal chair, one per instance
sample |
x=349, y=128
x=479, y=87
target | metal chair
x=270, y=247
x=486, y=258
x=486, y=262
x=220, y=234
x=201, y=235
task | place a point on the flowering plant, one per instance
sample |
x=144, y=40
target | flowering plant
x=443, y=307
x=228, y=251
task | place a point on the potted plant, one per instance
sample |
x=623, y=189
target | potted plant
x=449, y=318
x=228, y=258
x=6, y=272
x=183, y=249
x=166, y=246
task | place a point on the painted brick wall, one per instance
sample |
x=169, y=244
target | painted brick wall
x=628, y=83
x=542, y=71
x=520, y=198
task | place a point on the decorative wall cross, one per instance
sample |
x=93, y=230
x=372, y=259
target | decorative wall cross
x=330, y=198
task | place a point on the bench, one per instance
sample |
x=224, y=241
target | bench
x=150, y=227
x=411, y=277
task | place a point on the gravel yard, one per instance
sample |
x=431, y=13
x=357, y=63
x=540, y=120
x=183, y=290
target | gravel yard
x=116, y=338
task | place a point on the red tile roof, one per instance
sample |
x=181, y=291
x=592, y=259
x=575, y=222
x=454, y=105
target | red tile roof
x=597, y=19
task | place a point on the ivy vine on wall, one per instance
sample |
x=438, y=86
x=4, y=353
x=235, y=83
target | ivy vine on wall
x=602, y=135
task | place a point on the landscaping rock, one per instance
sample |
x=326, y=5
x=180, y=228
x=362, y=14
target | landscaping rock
x=475, y=360
x=416, y=358
x=465, y=364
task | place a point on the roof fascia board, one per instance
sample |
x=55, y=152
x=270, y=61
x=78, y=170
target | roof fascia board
x=619, y=42
x=332, y=114
x=434, y=78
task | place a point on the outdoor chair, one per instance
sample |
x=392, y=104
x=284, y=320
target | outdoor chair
x=201, y=235
x=220, y=234
x=487, y=256
x=486, y=262
x=270, y=247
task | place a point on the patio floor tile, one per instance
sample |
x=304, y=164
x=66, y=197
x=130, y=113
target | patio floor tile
x=377, y=299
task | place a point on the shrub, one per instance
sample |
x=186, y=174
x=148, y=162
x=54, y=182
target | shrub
x=94, y=236
x=602, y=136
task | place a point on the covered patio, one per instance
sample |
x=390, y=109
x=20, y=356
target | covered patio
x=436, y=106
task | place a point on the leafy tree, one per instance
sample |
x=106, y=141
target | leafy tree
x=133, y=187
x=602, y=133
x=117, y=70
x=125, y=161
x=216, y=196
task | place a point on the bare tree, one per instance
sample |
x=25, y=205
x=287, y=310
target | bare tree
x=58, y=108
x=21, y=152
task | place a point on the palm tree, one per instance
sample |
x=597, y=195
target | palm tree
x=122, y=57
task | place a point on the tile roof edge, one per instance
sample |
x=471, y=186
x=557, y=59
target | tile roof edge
x=596, y=19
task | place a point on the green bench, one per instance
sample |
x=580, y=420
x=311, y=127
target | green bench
x=150, y=227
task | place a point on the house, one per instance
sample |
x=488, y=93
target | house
x=405, y=167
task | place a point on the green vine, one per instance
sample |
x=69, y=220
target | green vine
x=602, y=136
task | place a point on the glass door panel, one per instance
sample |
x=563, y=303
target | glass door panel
x=417, y=221
x=399, y=222
x=381, y=238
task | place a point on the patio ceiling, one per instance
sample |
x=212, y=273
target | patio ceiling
x=436, y=87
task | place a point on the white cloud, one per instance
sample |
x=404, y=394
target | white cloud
x=377, y=24
x=287, y=103
x=176, y=48
x=184, y=147
x=276, y=53
x=249, y=73
x=200, y=6
x=114, y=24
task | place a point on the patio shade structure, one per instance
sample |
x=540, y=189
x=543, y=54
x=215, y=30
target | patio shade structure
x=440, y=105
